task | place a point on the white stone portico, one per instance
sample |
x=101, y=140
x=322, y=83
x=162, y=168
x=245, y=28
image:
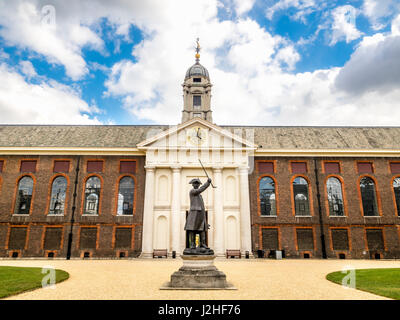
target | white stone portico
x=172, y=160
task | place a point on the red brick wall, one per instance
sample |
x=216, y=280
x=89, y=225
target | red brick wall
x=353, y=219
x=285, y=221
x=38, y=219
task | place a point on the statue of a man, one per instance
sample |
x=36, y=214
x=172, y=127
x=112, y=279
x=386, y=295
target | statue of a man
x=196, y=219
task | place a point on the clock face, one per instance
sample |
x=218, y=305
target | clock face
x=196, y=135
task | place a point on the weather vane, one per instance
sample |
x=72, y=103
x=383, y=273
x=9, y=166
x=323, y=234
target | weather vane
x=197, y=50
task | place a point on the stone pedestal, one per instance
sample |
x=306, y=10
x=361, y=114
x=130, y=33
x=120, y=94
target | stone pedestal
x=198, y=273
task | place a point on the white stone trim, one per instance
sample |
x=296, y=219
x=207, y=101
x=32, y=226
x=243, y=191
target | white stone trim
x=147, y=232
x=70, y=151
x=328, y=152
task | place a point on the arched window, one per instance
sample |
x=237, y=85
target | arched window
x=300, y=193
x=267, y=197
x=396, y=189
x=126, y=192
x=335, y=196
x=92, y=195
x=24, y=195
x=368, y=196
x=58, y=192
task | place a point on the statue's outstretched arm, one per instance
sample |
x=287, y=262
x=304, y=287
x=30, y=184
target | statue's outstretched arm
x=202, y=188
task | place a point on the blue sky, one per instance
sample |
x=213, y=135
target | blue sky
x=286, y=62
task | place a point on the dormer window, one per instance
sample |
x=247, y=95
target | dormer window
x=196, y=101
x=196, y=79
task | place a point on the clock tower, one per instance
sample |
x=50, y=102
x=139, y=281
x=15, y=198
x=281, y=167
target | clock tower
x=197, y=91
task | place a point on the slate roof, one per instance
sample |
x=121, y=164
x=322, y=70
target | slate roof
x=325, y=137
x=75, y=136
x=128, y=136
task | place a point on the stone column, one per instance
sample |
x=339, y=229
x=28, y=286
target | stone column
x=176, y=210
x=218, y=213
x=148, y=218
x=245, y=224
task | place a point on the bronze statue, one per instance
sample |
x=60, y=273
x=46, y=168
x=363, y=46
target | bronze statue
x=196, y=220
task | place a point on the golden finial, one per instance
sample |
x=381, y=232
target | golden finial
x=197, y=50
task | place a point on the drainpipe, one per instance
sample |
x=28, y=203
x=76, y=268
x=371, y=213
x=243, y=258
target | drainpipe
x=73, y=209
x=320, y=211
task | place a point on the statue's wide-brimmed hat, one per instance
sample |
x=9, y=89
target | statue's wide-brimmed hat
x=195, y=181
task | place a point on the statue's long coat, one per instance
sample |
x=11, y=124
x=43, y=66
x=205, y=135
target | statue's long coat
x=196, y=219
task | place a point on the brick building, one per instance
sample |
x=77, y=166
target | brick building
x=122, y=191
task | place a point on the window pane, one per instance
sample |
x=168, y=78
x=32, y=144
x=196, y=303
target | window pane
x=395, y=167
x=375, y=239
x=88, y=238
x=269, y=239
x=123, y=238
x=58, y=192
x=335, y=197
x=300, y=192
x=305, y=239
x=340, y=239
x=396, y=188
x=92, y=195
x=17, y=238
x=196, y=100
x=95, y=166
x=364, y=167
x=24, y=197
x=52, y=238
x=266, y=167
x=61, y=166
x=299, y=167
x=1, y=165
x=332, y=167
x=127, y=167
x=28, y=166
x=267, y=197
x=368, y=195
x=126, y=193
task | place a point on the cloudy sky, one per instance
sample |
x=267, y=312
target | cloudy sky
x=271, y=62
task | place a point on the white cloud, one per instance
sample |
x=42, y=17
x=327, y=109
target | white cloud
x=28, y=69
x=304, y=7
x=289, y=56
x=248, y=66
x=233, y=53
x=344, y=24
x=60, y=43
x=243, y=6
x=374, y=66
x=3, y=55
x=44, y=103
x=76, y=22
x=396, y=26
x=377, y=10
x=250, y=47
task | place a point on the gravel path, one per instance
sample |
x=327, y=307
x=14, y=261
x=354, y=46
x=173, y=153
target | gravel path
x=255, y=279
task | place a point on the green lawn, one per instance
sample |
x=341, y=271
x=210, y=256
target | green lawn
x=14, y=280
x=383, y=282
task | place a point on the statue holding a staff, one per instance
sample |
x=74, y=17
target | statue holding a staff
x=196, y=222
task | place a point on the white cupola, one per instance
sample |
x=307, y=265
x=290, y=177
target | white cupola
x=197, y=91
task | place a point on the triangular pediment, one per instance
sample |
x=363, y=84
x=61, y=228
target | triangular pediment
x=199, y=133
